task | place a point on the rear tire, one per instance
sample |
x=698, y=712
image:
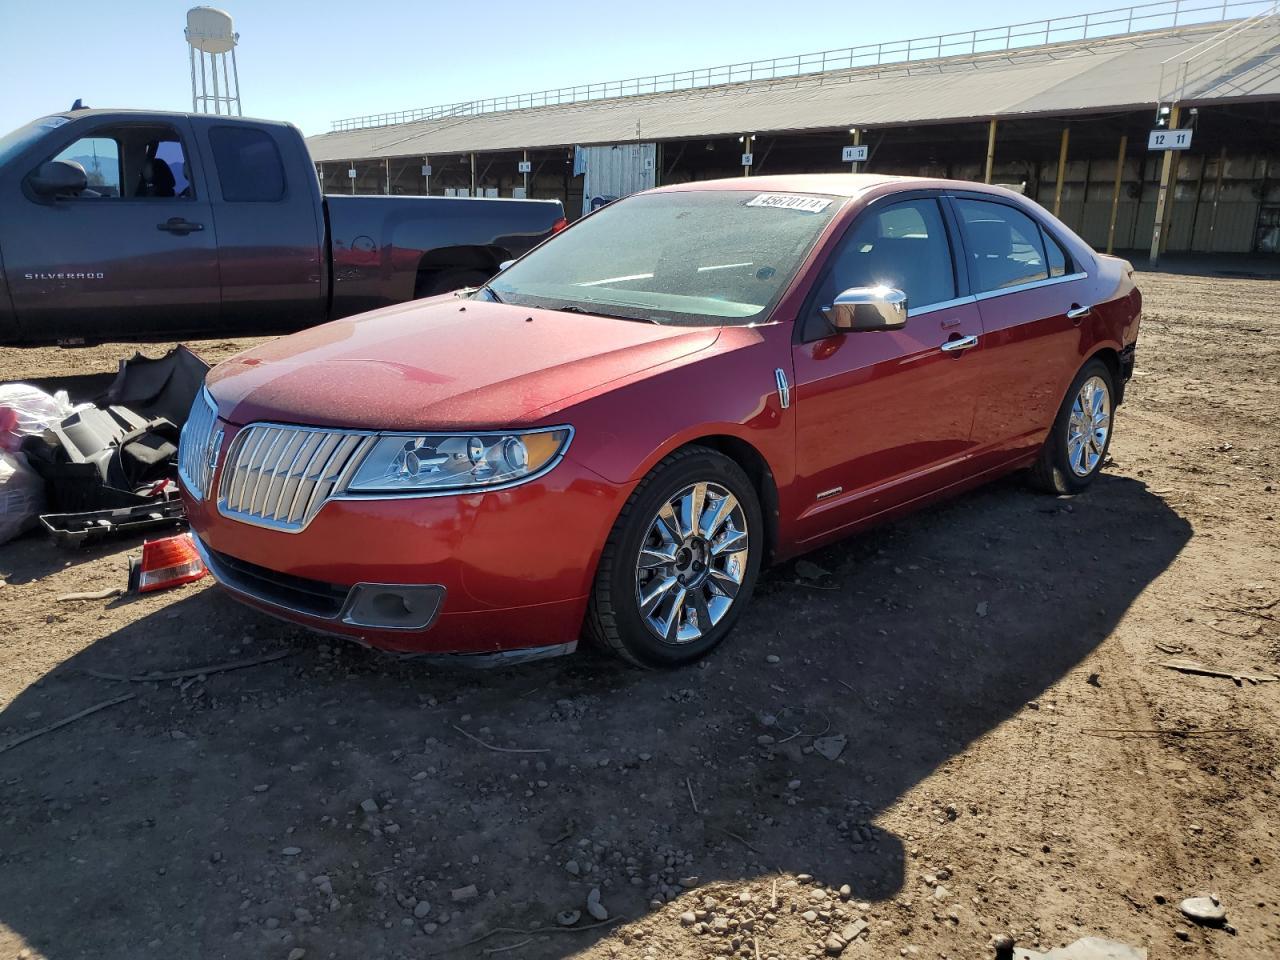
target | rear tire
x=1076, y=449
x=696, y=578
x=444, y=281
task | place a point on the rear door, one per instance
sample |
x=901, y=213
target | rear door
x=884, y=417
x=1028, y=291
x=135, y=254
x=270, y=225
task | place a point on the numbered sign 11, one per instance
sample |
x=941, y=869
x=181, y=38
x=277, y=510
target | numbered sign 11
x=1160, y=139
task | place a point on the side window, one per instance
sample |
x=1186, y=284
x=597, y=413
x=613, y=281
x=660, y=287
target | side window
x=249, y=165
x=130, y=162
x=903, y=245
x=1056, y=255
x=100, y=157
x=1005, y=245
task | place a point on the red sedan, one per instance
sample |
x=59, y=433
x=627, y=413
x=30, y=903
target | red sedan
x=615, y=433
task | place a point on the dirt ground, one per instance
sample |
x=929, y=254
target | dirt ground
x=1017, y=758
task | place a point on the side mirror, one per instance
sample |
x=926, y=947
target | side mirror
x=58, y=178
x=504, y=264
x=868, y=308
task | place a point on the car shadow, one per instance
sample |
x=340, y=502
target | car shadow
x=222, y=816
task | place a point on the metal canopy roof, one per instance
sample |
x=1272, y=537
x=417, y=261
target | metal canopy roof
x=1091, y=76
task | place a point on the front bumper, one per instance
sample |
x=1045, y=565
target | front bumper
x=509, y=570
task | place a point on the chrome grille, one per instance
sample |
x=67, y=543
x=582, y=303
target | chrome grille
x=280, y=476
x=195, y=456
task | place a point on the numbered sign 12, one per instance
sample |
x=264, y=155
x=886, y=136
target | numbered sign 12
x=1169, y=140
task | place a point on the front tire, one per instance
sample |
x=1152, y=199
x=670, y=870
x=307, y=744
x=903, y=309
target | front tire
x=680, y=563
x=1076, y=449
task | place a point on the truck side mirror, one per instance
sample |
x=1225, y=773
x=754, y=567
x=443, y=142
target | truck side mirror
x=58, y=178
x=868, y=308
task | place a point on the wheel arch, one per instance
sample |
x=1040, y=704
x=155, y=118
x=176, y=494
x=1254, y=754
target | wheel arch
x=1110, y=356
x=757, y=469
x=484, y=257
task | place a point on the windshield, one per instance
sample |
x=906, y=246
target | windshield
x=13, y=143
x=713, y=257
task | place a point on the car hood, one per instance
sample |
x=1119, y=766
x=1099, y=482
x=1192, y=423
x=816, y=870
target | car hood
x=447, y=362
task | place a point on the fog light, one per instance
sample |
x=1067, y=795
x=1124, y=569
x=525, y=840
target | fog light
x=387, y=606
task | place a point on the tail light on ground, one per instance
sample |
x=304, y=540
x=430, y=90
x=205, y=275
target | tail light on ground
x=167, y=563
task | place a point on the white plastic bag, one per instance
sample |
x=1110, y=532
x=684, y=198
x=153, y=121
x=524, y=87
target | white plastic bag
x=21, y=495
x=36, y=410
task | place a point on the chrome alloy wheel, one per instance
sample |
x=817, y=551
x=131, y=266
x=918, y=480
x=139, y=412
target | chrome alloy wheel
x=1089, y=426
x=692, y=562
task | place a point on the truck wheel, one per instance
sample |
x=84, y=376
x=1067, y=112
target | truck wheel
x=1077, y=446
x=680, y=563
x=435, y=283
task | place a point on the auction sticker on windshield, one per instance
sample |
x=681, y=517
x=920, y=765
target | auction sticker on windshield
x=790, y=201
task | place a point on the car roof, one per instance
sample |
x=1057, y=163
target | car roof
x=834, y=184
x=128, y=114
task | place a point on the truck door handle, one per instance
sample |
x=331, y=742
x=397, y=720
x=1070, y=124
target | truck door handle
x=1078, y=312
x=179, y=226
x=958, y=346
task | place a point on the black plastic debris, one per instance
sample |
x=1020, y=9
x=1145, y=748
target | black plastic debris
x=91, y=526
x=111, y=468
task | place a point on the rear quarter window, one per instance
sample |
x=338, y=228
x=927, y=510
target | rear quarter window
x=248, y=163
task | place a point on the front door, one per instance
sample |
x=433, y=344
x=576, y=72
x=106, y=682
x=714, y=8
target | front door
x=884, y=417
x=134, y=254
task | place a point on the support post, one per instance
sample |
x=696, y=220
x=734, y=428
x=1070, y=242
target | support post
x=1115, y=193
x=1217, y=194
x=473, y=174
x=217, y=99
x=426, y=178
x=525, y=156
x=195, y=103
x=857, y=142
x=320, y=176
x=1062, y=171
x=1162, y=197
x=746, y=148
x=226, y=83
x=991, y=149
x=386, y=165
x=235, y=73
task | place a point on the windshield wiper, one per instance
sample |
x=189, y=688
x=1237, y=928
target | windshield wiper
x=485, y=288
x=574, y=308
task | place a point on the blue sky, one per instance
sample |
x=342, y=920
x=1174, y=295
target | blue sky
x=322, y=60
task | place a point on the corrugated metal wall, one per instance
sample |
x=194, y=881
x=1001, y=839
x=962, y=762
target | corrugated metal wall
x=1194, y=226
x=616, y=170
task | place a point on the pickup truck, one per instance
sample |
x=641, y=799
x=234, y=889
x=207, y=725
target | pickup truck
x=129, y=224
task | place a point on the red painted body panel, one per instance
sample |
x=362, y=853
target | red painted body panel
x=509, y=559
x=443, y=362
x=885, y=418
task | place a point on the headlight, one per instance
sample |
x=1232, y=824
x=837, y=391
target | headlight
x=403, y=463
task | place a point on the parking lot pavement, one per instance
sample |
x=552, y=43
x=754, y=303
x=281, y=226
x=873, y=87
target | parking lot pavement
x=1015, y=758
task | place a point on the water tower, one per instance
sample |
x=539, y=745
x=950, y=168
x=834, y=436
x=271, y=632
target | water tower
x=212, y=36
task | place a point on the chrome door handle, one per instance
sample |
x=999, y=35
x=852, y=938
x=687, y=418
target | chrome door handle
x=964, y=343
x=1076, y=312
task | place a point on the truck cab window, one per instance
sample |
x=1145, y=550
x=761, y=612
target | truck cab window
x=100, y=157
x=249, y=166
x=132, y=162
